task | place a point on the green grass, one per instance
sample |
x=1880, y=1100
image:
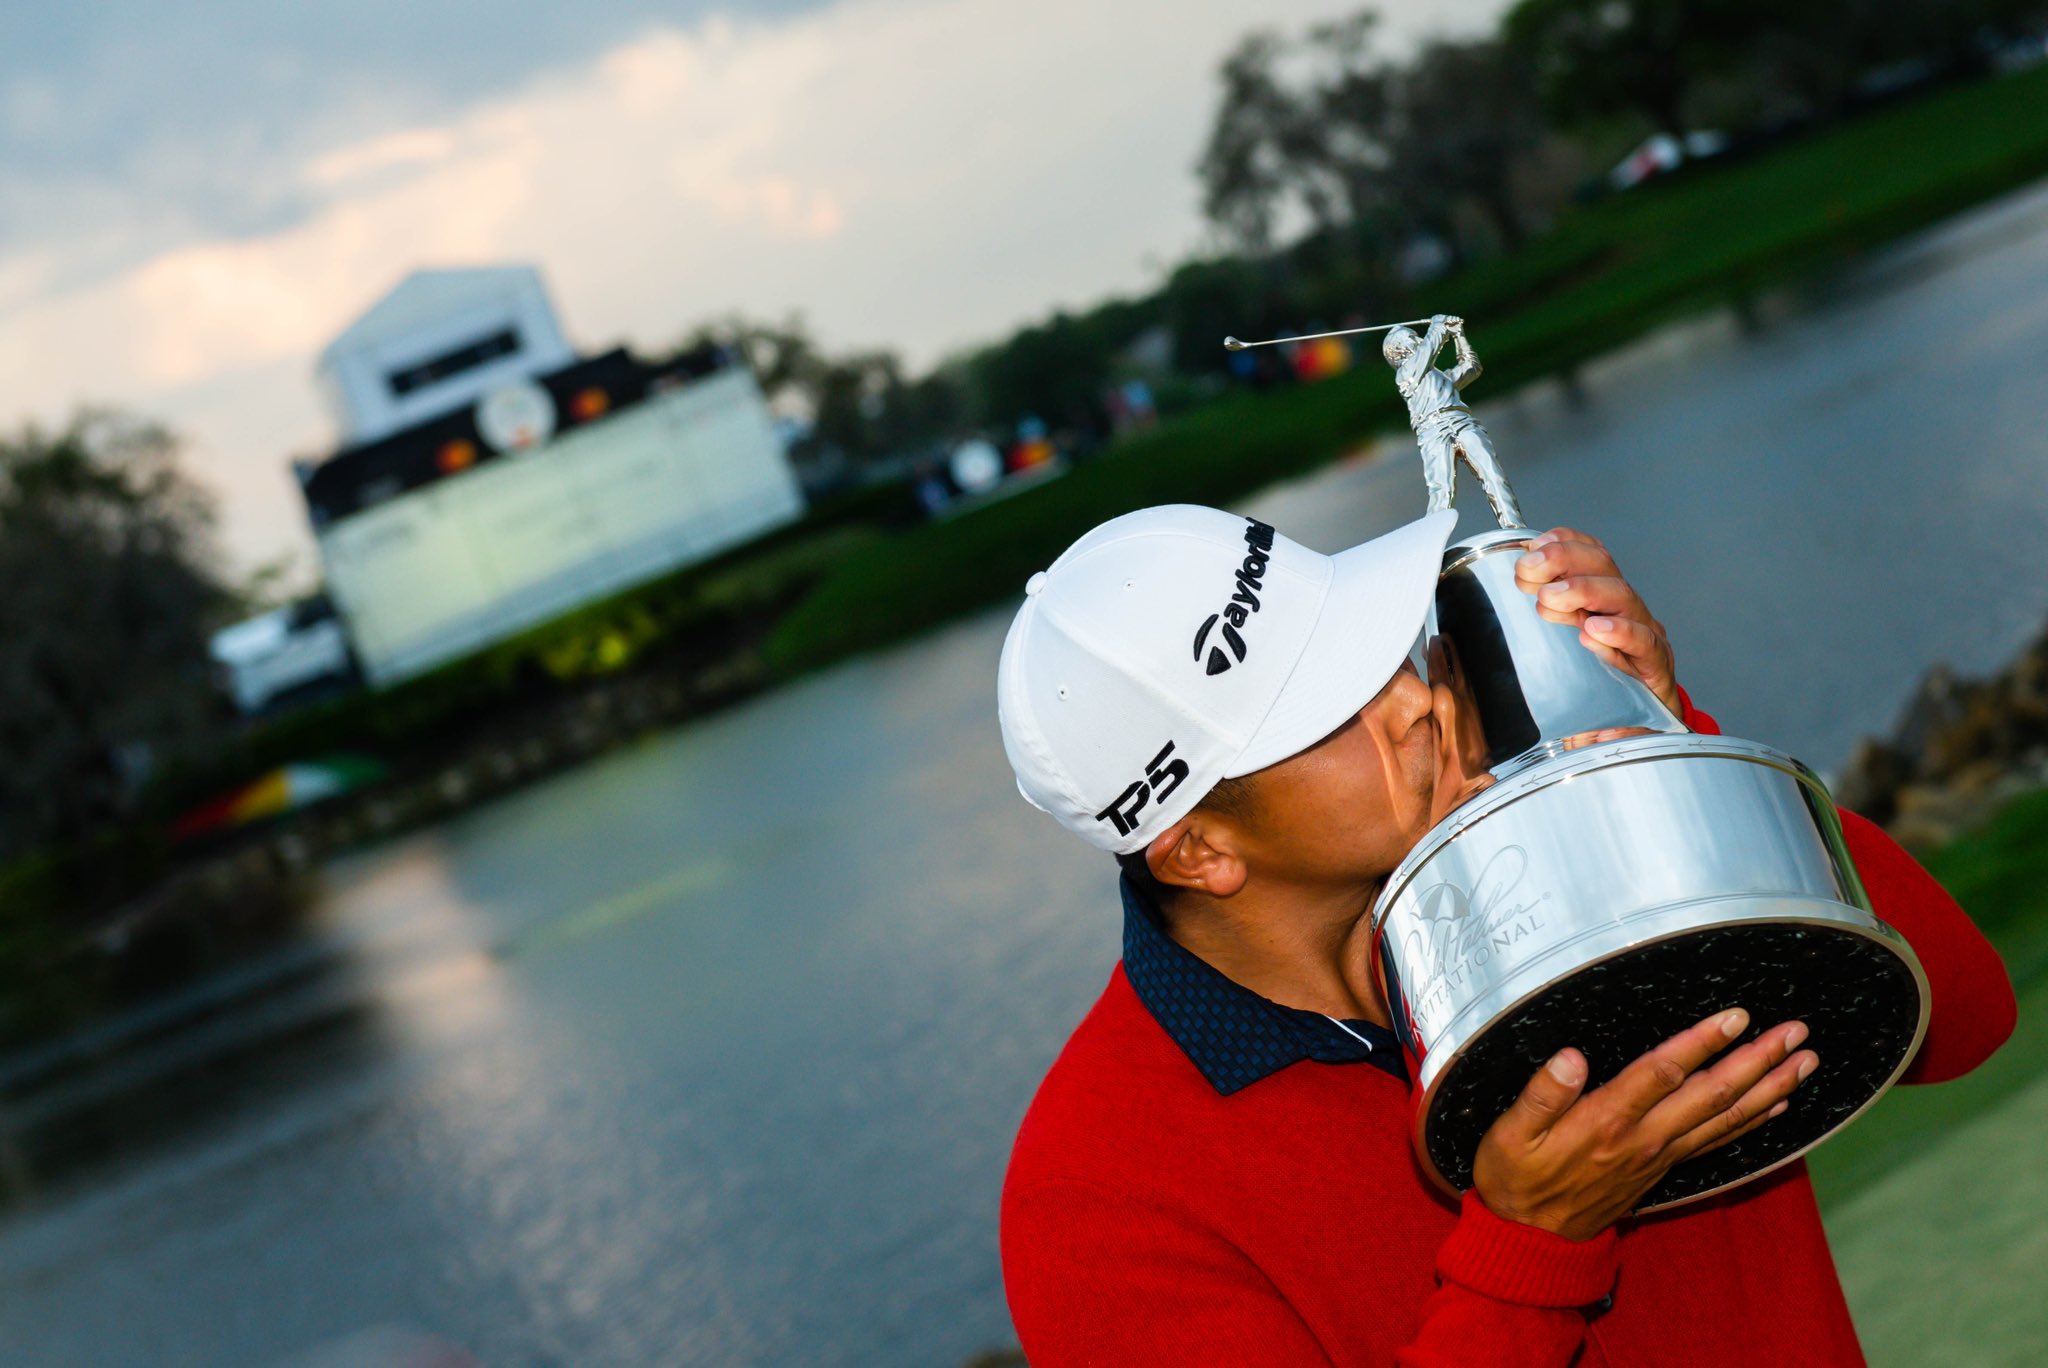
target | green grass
x=1607, y=273
x=1936, y=1201
x=1942, y=1259
x=2000, y=876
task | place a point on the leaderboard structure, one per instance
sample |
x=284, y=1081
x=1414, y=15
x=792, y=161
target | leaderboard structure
x=491, y=478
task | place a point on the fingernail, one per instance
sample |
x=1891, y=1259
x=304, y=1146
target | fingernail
x=1808, y=1067
x=1778, y=1110
x=1565, y=1069
x=1600, y=626
x=1795, y=1033
x=1530, y=563
x=1546, y=539
x=1554, y=588
x=1733, y=1022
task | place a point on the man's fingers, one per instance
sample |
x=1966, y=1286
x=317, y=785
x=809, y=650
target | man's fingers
x=1774, y=1110
x=1561, y=559
x=1712, y=1091
x=1547, y=1096
x=1611, y=636
x=1751, y=1110
x=1603, y=594
x=1577, y=584
x=1659, y=1073
x=1570, y=534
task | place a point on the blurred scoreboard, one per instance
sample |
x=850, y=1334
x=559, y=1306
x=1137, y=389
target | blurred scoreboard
x=463, y=535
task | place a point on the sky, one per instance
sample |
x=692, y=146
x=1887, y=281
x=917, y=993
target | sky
x=195, y=198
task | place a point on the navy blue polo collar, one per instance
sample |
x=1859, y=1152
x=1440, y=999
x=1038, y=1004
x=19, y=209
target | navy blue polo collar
x=1233, y=1035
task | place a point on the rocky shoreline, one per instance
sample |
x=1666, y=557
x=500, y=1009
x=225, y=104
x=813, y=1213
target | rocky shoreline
x=1963, y=749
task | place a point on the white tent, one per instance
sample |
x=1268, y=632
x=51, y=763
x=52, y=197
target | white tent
x=439, y=341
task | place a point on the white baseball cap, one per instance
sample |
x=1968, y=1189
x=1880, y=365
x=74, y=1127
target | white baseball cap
x=1180, y=645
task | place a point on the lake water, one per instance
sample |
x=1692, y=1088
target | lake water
x=711, y=1052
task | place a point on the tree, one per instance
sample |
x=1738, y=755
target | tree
x=1275, y=147
x=858, y=406
x=1815, y=54
x=1054, y=370
x=1370, y=152
x=784, y=359
x=108, y=600
x=1461, y=117
x=1597, y=57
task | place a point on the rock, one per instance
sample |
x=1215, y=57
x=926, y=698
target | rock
x=1962, y=748
x=1872, y=777
x=1930, y=710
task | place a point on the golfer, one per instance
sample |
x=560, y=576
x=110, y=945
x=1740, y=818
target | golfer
x=1217, y=1170
x=1444, y=426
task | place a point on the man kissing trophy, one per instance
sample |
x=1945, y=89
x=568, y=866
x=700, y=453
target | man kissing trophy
x=1530, y=931
x=1610, y=876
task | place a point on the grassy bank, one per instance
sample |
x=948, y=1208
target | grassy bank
x=2000, y=876
x=1607, y=273
x=1934, y=1200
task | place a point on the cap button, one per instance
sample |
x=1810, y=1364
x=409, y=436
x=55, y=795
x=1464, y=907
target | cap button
x=1035, y=584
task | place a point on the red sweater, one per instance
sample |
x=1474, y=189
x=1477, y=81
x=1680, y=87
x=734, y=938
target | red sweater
x=1148, y=1219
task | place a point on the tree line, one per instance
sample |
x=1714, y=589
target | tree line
x=1334, y=173
x=109, y=590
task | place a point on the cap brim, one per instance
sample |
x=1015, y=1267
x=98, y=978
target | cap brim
x=1377, y=602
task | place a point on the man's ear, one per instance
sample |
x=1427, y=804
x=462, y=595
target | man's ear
x=1198, y=852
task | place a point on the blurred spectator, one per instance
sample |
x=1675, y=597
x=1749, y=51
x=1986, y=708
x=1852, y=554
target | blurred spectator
x=1033, y=445
x=1130, y=406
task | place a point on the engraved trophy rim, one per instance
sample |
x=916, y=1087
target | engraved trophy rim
x=1558, y=769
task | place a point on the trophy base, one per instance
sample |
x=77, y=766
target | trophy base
x=1858, y=997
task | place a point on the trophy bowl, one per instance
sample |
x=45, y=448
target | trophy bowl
x=1617, y=879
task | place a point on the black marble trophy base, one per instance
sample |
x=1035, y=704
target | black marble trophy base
x=1857, y=998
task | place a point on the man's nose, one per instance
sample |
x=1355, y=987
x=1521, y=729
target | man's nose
x=1413, y=695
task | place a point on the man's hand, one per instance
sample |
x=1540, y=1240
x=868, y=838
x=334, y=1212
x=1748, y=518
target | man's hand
x=1576, y=582
x=1577, y=1164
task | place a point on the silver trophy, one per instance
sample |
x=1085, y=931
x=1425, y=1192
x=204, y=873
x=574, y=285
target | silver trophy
x=1612, y=877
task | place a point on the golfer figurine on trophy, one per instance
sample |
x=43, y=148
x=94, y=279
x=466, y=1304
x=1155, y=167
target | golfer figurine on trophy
x=1444, y=427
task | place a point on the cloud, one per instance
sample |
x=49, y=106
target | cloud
x=910, y=173
x=409, y=148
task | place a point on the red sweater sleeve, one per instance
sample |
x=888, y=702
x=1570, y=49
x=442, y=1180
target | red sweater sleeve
x=1973, y=1009
x=1093, y=1277
x=1693, y=717
x=1509, y=1294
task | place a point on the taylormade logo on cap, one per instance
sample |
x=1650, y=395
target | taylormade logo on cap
x=1250, y=576
x=1111, y=728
